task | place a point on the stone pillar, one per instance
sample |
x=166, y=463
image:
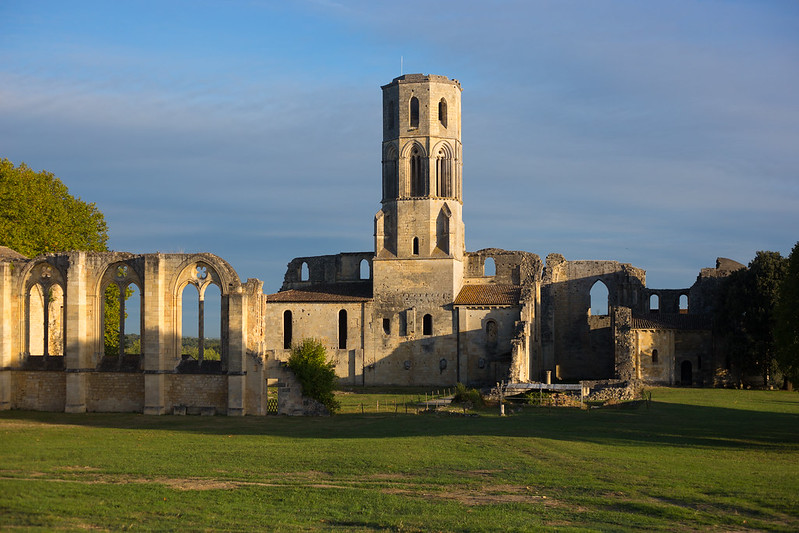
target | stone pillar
x=237, y=350
x=154, y=393
x=236, y=388
x=463, y=354
x=624, y=343
x=77, y=355
x=76, y=391
x=157, y=333
x=6, y=336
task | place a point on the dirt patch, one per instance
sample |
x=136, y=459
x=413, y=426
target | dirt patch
x=198, y=484
x=486, y=495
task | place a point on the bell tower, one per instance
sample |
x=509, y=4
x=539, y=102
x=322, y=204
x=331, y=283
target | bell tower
x=418, y=267
x=422, y=200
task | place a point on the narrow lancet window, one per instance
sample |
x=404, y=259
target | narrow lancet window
x=418, y=181
x=442, y=112
x=414, y=112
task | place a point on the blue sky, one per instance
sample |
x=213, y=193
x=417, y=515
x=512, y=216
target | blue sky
x=662, y=134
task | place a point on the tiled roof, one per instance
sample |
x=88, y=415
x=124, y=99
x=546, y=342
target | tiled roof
x=338, y=292
x=490, y=294
x=670, y=321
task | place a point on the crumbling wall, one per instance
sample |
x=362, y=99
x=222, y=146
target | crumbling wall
x=574, y=344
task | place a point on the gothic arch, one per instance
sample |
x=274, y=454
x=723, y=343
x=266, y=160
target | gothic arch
x=390, y=172
x=444, y=170
x=122, y=274
x=44, y=309
x=202, y=271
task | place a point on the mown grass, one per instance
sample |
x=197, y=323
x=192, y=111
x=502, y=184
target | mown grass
x=696, y=459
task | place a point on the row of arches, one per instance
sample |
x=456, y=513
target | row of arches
x=414, y=113
x=654, y=303
x=198, y=307
x=364, y=271
x=418, y=168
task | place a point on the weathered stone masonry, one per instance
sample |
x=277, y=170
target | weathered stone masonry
x=418, y=310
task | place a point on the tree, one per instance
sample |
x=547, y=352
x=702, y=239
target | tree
x=745, y=316
x=39, y=216
x=308, y=361
x=787, y=326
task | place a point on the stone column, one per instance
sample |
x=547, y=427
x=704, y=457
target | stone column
x=463, y=354
x=623, y=342
x=77, y=355
x=156, y=334
x=6, y=336
x=237, y=350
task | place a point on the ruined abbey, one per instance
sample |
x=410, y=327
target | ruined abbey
x=417, y=310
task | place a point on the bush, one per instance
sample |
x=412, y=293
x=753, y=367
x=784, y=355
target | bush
x=315, y=373
x=464, y=395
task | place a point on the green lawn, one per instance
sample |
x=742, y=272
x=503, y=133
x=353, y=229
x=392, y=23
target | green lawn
x=696, y=459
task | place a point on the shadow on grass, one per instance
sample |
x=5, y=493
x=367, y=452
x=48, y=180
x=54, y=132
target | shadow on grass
x=662, y=424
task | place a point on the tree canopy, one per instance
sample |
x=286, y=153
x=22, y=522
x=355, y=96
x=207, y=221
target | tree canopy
x=787, y=324
x=745, y=314
x=38, y=215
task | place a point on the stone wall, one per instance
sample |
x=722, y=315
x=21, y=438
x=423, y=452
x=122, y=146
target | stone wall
x=575, y=344
x=196, y=391
x=112, y=392
x=39, y=391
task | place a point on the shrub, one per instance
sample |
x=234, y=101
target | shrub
x=464, y=395
x=315, y=373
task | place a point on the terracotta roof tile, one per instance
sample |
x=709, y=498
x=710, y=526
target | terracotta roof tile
x=670, y=321
x=490, y=294
x=339, y=292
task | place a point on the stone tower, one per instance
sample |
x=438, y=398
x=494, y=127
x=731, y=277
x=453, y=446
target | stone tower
x=418, y=266
x=421, y=214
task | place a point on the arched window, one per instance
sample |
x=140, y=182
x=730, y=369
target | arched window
x=189, y=313
x=305, y=273
x=599, y=299
x=416, y=246
x=684, y=303
x=427, y=325
x=45, y=319
x=414, y=112
x=489, y=267
x=132, y=320
x=287, y=329
x=492, y=332
x=364, y=269
x=390, y=115
x=444, y=173
x=654, y=303
x=122, y=324
x=654, y=356
x=342, y=330
x=417, y=168
x=390, y=179
x=442, y=112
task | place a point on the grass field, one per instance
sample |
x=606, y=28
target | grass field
x=695, y=459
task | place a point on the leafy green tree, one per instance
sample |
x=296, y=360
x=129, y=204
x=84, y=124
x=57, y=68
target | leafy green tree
x=308, y=361
x=745, y=313
x=787, y=327
x=39, y=216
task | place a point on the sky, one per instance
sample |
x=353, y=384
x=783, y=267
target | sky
x=662, y=134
